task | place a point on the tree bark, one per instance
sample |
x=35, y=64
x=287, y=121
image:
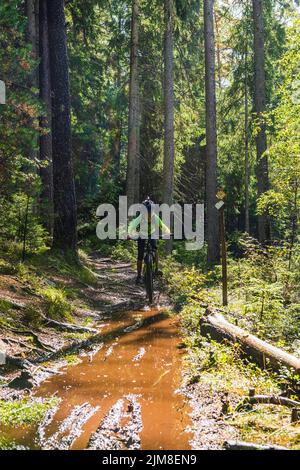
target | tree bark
x=218, y=49
x=260, y=108
x=138, y=149
x=133, y=117
x=46, y=172
x=32, y=34
x=246, y=130
x=261, y=352
x=267, y=400
x=65, y=218
x=212, y=223
x=239, y=445
x=169, y=146
x=117, y=139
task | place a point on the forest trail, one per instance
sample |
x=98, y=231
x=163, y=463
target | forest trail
x=123, y=394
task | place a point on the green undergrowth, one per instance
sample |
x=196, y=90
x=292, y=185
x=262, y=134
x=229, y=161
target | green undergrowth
x=220, y=369
x=9, y=444
x=26, y=411
x=264, y=294
x=118, y=250
x=72, y=359
x=264, y=289
x=36, y=275
x=65, y=265
x=57, y=305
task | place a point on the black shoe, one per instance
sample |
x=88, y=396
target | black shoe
x=139, y=281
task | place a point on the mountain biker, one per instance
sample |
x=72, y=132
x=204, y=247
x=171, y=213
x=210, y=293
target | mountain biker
x=154, y=222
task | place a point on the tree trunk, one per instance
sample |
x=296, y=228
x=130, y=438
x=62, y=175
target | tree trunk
x=259, y=108
x=169, y=147
x=267, y=400
x=32, y=36
x=138, y=149
x=218, y=48
x=116, y=148
x=212, y=221
x=118, y=124
x=133, y=119
x=264, y=354
x=246, y=130
x=65, y=219
x=45, y=121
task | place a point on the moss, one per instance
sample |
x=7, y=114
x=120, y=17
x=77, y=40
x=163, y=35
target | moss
x=7, y=444
x=72, y=359
x=5, y=306
x=57, y=305
x=25, y=411
x=6, y=267
x=67, y=265
x=33, y=317
x=85, y=275
x=76, y=335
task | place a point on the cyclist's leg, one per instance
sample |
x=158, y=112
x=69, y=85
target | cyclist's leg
x=141, y=249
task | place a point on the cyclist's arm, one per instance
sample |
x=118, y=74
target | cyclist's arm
x=133, y=226
x=164, y=229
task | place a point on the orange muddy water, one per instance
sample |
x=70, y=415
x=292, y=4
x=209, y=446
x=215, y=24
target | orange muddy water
x=124, y=396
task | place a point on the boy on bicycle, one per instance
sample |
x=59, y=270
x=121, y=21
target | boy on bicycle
x=154, y=223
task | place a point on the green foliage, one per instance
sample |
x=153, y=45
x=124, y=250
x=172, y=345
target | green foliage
x=19, y=128
x=33, y=316
x=264, y=288
x=65, y=264
x=25, y=411
x=6, y=267
x=5, y=306
x=72, y=359
x=187, y=284
x=285, y=148
x=57, y=305
x=7, y=444
x=124, y=251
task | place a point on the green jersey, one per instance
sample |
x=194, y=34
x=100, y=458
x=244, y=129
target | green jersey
x=154, y=226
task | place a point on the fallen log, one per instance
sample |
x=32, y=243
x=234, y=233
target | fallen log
x=214, y=325
x=267, y=400
x=239, y=445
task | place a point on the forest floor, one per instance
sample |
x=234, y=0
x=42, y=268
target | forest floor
x=102, y=370
x=45, y=311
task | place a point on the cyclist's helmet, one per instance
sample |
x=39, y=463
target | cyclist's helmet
x=148, y=203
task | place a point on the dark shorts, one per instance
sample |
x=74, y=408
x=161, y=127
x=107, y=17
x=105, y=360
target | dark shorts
x=142, y=245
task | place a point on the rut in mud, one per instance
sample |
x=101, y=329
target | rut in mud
x=123, y=396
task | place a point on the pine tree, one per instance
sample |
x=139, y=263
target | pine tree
x=212, y=225
x=65, y=219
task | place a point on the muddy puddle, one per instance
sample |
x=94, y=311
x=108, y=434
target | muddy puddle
x=122, y=396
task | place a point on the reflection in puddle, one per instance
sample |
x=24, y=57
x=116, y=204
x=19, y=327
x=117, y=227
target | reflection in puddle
x=123, y=396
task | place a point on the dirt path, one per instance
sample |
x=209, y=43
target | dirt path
x=124, y=392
